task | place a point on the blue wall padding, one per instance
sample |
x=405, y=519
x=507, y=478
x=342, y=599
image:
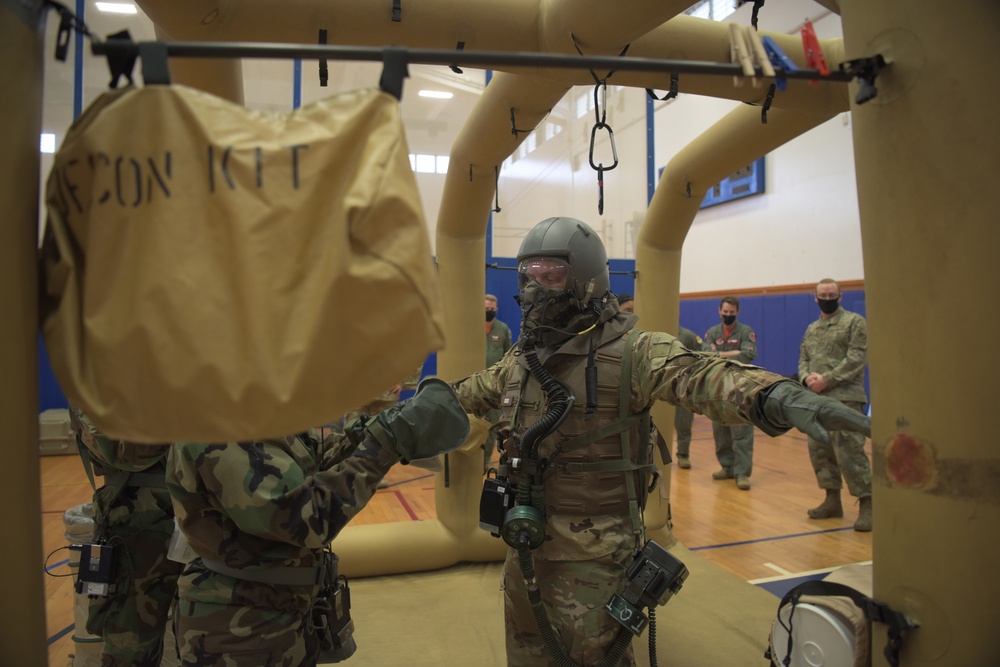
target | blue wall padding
x=779, y=321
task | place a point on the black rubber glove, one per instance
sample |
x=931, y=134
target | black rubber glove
x=432, y=422
x=787, y=404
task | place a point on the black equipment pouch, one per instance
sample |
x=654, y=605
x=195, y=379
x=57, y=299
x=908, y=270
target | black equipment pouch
x=330, y=615
x=497, y=499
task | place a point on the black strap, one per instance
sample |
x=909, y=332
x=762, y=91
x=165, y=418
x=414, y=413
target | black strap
x=394, y=70
x=877, y=612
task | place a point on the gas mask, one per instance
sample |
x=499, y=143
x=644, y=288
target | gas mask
x=545, y=293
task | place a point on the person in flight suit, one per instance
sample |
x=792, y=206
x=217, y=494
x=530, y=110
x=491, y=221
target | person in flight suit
x=259, y=516
x=832, y=362
x=133, y=514
x=733, y=444
x=684, y=418
x=575, y=393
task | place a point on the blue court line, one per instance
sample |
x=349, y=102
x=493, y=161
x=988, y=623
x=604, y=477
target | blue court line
x=770, y=539
x=59, y=635
x=55, y=565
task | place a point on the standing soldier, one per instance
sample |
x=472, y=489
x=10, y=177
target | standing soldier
x=133, y=515
x=576, y=393
x=684, y=418
x=498, y=336
x=260, y=587
x=733, y=444
x=832, y=363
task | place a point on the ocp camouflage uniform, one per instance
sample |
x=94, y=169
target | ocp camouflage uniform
x=498, y=341
x=254, y=507
x=592, y=523
x=837, y=349
x=133, y=512
x=734, y=444
x=684, y=418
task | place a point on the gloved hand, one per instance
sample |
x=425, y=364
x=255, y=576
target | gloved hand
x=787, y=404
x=432, y=422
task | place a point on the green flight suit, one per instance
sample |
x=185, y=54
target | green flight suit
x=837, y=348
x=734, y=444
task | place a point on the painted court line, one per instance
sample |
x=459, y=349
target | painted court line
x=780, y=570
x=808, y=573
x=406, y=506
x=770, y=539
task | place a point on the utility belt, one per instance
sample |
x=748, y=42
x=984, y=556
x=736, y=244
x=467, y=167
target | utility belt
x=329, y=619
x=148, y=479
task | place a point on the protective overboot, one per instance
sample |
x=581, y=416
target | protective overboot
x=683, y=462
x=864, y=522
x=830, y=508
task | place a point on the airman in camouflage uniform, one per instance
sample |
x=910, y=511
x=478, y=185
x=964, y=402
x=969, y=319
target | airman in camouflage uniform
x=132, y=512
x=832, y=362
x=733, y=444
x=598, y=458
x=498, y=341
x=259, y=514
x=684, y=418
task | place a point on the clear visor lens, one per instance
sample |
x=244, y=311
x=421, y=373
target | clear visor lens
x=549, y=273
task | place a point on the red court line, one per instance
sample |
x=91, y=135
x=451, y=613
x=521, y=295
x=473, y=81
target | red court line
x=406, y=506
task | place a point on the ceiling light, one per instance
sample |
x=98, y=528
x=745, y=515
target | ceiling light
x=436, y=94
x=117, y=7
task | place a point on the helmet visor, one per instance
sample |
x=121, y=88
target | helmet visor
x=549, y=272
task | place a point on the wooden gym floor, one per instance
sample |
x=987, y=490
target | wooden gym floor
x=757, y=535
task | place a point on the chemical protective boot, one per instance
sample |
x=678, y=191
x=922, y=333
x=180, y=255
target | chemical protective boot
x=864, y=522
x=830, y=508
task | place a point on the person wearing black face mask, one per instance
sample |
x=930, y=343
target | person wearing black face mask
x=733, y=444
x=832, y=362
x=498, y=336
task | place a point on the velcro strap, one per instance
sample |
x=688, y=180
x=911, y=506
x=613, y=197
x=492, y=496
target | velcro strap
x=280, y=575
x=613, y=428
x=607, y=466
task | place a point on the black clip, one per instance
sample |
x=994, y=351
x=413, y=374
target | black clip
x=866, y=69
x=454, y=66
x=324, y=70
x=397, y=11
x=121, y=57
x=155, y=71
x=62, y=39
x=394, y=70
